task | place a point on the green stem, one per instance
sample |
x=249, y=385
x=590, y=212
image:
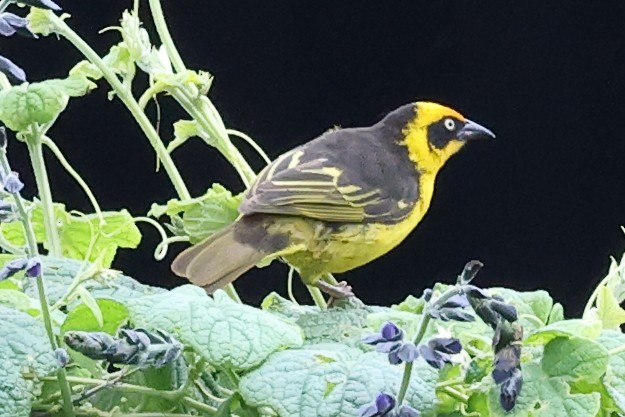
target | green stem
x=198, y=405
x=125, y=95
x=4, y=4
x=35, y=150
x=317, y=297
x=163, y=33
x=31, y=240
x=455, y=394
x=617, y=350
x=71, y=171
x=185, y=98
x=425, y=321
x=216, y=132
x=604, y=281
x=405, y=381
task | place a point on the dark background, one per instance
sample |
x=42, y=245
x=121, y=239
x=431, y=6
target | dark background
x=541, y=206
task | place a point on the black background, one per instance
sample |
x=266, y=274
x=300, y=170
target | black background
x=541, y=206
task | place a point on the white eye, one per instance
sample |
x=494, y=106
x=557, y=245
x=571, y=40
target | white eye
x=450, y=124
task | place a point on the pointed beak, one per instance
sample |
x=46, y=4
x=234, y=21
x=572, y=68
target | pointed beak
x=472, y=130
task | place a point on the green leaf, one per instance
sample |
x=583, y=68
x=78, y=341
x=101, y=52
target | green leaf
x=304, y=383
x=411, y=304
x=574, y=359
x=343, y=323
x=82, y=237
x=60, y=272
x=584, y=328
x=24, y=348
x=608, y=309
x=533, y=303
x=557, y=313
x=614, y=379
x=39, y=21
x=183, y=130
x=15, y=299
x=204, y=215
x=91, y=304
x=26, y=104
x=227, y=334
x=545, y=396
x=81, y=317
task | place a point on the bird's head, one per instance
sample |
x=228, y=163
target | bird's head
x=437, y=132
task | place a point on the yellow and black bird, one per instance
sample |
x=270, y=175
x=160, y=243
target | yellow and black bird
x=338, y=201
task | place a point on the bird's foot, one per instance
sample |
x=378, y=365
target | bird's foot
x=337, y=292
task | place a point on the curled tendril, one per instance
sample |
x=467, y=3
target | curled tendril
x=161, y=249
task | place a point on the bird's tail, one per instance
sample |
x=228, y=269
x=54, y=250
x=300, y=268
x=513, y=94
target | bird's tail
x=218, y=260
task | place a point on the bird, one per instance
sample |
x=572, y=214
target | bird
x=336, y=202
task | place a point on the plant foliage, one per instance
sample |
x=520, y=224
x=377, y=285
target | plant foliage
x=80, y=339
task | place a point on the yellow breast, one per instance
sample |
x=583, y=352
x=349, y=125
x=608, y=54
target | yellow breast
x=320, y=248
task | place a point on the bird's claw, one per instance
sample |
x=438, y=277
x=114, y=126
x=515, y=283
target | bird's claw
x=337, y=292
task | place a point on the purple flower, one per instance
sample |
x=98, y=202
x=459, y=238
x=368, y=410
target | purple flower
x=388, y=333
x=12, y=267
x=11, y=70
x=12, y=183
x=62, y=356
x=381, y=406
x=407, y=411
x=11, y=24
x=510, y=390
x=33, y=267
x=436, y=352
x=42, y=4
x=389, y=340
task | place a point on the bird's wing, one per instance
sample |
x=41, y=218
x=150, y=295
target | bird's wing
x=345, y=176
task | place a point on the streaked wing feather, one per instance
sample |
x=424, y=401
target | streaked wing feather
x=339, y=177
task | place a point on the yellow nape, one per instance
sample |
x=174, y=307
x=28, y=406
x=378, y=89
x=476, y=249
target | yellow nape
x=427, y=157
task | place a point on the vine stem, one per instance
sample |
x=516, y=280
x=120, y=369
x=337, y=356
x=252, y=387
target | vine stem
x=604, y=281
x=4, y=4
x=35, y=151
x=186, y=98
x=617, y=350
x=425, y=321
x=163, y=33
x=31, y=240
x=125, y=95
x=72, y=172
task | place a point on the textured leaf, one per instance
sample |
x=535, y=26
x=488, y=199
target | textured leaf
x=25, y=104
x=81, y=317
x=60, y=272
x=24, y=347
x=343, y=323
x=332, y=380
x=544, y=396
x=575, y=359
x=225, y=333
x=585, y=328
x=614, y=379
x=82, y=237
x=15, y=299
x=204, y=215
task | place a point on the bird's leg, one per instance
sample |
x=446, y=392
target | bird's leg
x=336, y=290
